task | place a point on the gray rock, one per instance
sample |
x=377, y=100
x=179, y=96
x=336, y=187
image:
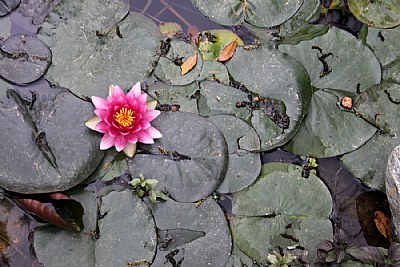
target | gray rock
x=45, y=145
x=392, y=183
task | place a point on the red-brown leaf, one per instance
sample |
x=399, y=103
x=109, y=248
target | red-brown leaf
x=383, y=224
x=227, y=52
x=188, y=64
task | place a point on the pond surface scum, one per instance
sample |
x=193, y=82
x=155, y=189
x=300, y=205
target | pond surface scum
x=277, y=121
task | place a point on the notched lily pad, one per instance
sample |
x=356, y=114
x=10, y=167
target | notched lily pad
x=378, y=14
x=195, y=236
x=331, y=57
x=281, y=209
x=244, y=166
x=107, y=238
x=46, y=146
x=261, y=13
x=189, y=161
x=215, y=71
x=379, y=105
x=23, y=59
x=327, y=130
x=280, y=92
x=169, y=66
x=384, y=43
x=103, y=46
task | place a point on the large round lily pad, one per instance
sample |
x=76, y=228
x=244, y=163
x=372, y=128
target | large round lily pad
x=384, y=43
x=5, y=28
x=261, y=13
x=169, y=67
x=369, y=162
x=281, y=209
x=327, y=130
x=23, y=59
x=7, y=6
x=331, y=57
x=45, y=145
x=379, y=105
x=199, y=235
x=126, y=233
x=244, y=166
x=377, y=13
x=189, y=161
x=96, y=44
x=272, y=74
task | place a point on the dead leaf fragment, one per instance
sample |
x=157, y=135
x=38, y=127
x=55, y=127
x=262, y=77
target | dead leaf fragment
x=383, y=224
x=189, y=64
x=227, y=52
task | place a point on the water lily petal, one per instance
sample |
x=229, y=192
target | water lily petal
x=119, y=142
x=145, y=138
x=153, y=132
x=151, y=104
x=151, y=115
x=103, y=127
x=92, y=122
x=136, y=89
x=117, y=92
x=113, y=132
x=99, y=102
x=130, y=149
x=142, y=99
x=132, y=138
x=106, y=142
x=101, y=113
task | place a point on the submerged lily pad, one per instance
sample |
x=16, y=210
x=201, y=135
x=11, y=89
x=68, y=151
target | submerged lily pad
x=369, y=162
x=268, y=73
x=46, y=146
x=378, y=13
x=200, y=235
x=169, y=66
x=114, y=247
x=190, y=160
x=379, y=105
x=261, y=13
x=331, y=57
x=23, y=59
x=244, y=166
x=327, y=130
x=95, y=45
x=279, y=208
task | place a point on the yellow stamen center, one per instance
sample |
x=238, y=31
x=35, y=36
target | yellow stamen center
x=124, y=117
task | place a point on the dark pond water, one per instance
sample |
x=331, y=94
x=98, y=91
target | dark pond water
x=354, y=203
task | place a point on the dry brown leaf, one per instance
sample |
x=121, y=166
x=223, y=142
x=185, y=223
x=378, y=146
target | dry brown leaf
x=189, y=64
x=227, y=52
x=383, y=224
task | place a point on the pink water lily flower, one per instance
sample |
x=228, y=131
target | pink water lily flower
x=124, y=119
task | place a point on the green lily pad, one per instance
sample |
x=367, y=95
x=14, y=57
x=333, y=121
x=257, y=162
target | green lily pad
x=183, y=97
x=113, y=247
x=212, y=42
x=97, y=44
x=38, y=10
x=200, y=234
x=239, y=259
x=169, y=66
x=244, y=166
x=384, y=43
x=189, y=161
x=4, y=86
x=7, y=6
x=392, y=73
x=327, y=130
x=378, y=14
x=261, y=13
x=343, y=54
x=5, y=27
x=215, y=71
x=270, y=73
x=46, y=146
x=280, y=205
x=23, y=59
x=309, y=11
x=369, y=162
x=379, y=105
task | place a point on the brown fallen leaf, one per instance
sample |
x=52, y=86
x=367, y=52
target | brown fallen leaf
x=227, y=52
x=383, y=224
x=189, y=64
